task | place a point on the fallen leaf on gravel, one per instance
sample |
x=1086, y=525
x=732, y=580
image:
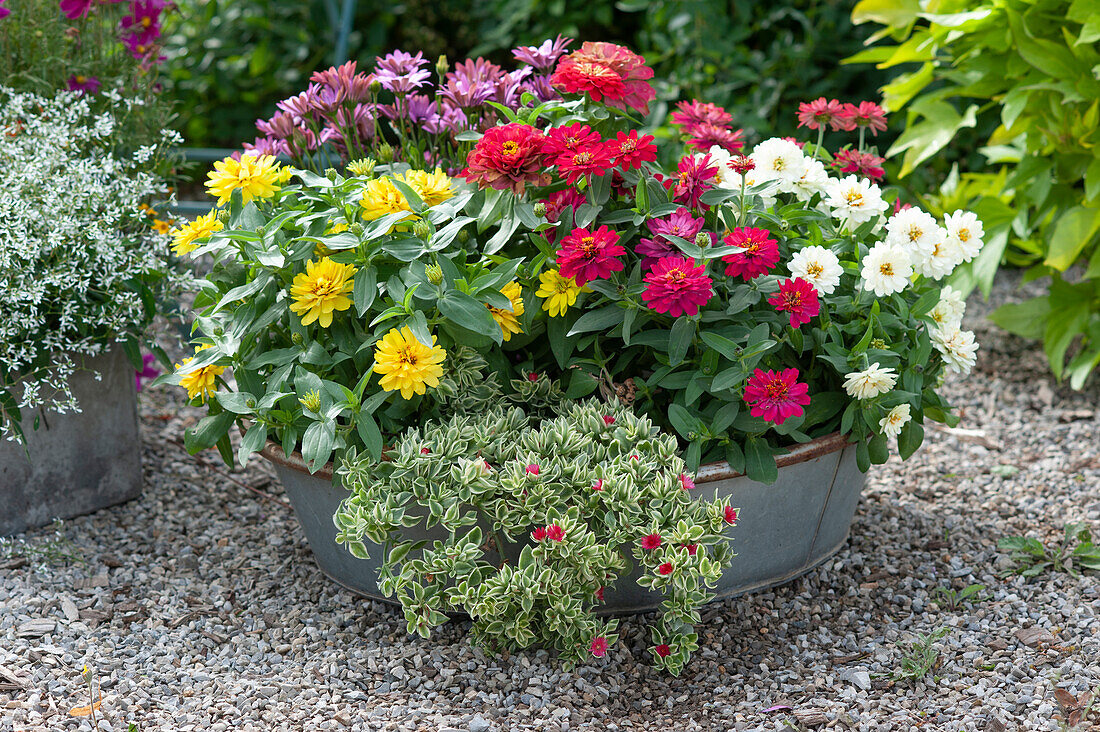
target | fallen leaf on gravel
x=86, y=711
x=810, y=717
x=1073, y=709
x=1033, y=636
x=978, y=437
x=35, y=628
x=778, y=708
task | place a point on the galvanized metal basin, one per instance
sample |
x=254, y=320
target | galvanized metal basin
x=75, y=463
x=784, y=530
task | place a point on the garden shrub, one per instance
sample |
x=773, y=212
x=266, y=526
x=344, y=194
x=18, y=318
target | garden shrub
x=1029, y=70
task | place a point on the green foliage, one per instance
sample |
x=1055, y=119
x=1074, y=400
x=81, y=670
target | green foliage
x=1029, y=71
x=955, y=599
x=1032, y=557
x=524, y=527
x=922, y=656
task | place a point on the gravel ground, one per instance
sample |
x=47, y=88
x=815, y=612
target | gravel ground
x=201, y=609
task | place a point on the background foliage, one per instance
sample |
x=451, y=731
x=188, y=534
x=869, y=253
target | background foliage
x=1026, y=74
x=232, y=60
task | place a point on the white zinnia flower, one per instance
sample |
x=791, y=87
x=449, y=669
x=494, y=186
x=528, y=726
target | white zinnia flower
x=886, y=269
x=815, y=179
x=730, y=179
x=780, y=160
x=941, y=262
x=895, y=419
x=915, y=231
x=870, y=383
x=854, y=200
x=958, y=348
x=949, y=310
x=818, y=266
x=965, y=229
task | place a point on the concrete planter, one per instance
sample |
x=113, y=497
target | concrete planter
x=784, y=530
x=75, y=463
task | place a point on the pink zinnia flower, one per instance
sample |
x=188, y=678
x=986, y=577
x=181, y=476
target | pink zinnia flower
x=590, y=255
x=560, y=200
x=703, y=136
x=555, y=532
x=729, y=514
x=821, y=112
x=73, y=9
x=776, y=395
x=532, y=469
x=677, y=286
x=509, y=156
x=587, y=160
x=867, y=114
x=866, y=165
x=693, y=179
x=797, y=297
x=539, y=534
x=665, y=569
x=759, y=255
x=686, y=482
x=606, y=71
x=662, y=650
x=630, y=151
x=651, y=541
x=598, y=647
x=570, y=138
x=696, y=112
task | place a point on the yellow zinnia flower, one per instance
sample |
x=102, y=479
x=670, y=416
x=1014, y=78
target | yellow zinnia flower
x=255, y=176
x=184, y=238
x=161, y=226
x=433, y=188
x=560, y=292
x=322, y=289
x=381, y=197
x=200, y=382
x=508, y=320
x=407, y=364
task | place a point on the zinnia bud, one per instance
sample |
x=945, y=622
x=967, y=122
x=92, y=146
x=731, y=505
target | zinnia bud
x=385, y=152
x=296, y=339
x=702, y=239
x=540, y=209
x=331, y=174
x=422, y=229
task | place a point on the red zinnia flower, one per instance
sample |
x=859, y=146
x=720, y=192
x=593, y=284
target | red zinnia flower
x=539, y=534
x=555, y=532
x=677, y=287
x=776, y=395
x=821, y=112
x=692, y=179
x=598, y=485
x=686, y=482
x=729, y=513
x=630, y=151
x=590, y=255
x=696, y=112
x=509, y=156
x=599, y=646
x=703, y=136
x=797, y=297
x=742, y=164
x=867, y=114
x=561, y=140
x=608, y=420
x=759, y=255
x=606, y=71
x=665, y=569
x=692, y=548
x=651, y=541
x=584, y=161
x=533, y=469
x=867, y=165
x=662, y=650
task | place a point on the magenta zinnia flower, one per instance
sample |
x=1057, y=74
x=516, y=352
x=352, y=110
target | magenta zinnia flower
x=760, y=253
x=569, y=138
x=693, y=176
x=679, y=223
x=776, y=395
x=630, y=151
x=867, y=165
x=677, y=287
x=590, y=255
x=587, y=160
x=821, y=112
x=797, y=297
x=609, y=72
x=867, y=114
x=704, y=136
x=560, y=200
x=696, y=112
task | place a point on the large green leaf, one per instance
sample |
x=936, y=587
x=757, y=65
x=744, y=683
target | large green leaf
x=1073, y=232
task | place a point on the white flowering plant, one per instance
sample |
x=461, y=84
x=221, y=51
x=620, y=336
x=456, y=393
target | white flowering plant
x=81, y=264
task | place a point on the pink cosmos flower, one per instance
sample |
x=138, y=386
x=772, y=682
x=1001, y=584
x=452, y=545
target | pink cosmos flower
x=821, y=112
x=729, y=514
x=651, y=541
x=4, y=12
x=532, y=469
x=590, y=255
x=867, y=114
x=73, y=9
x=759, y=255
x=776, y=395
x=797, y=297
x=677, y=286
x=665, y=569
x=662, y=650
x=598, y=647
x=555, y=532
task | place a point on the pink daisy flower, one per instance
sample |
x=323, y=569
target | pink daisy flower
x=677, y=287
x=776, y=395
x=759, y=255
x=590, y=255
x=797, y=297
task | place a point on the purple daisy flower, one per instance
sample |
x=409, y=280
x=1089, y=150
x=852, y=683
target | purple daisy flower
x=545, y=55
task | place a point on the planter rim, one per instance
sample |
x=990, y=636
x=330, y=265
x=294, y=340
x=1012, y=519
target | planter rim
x=707, y=473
